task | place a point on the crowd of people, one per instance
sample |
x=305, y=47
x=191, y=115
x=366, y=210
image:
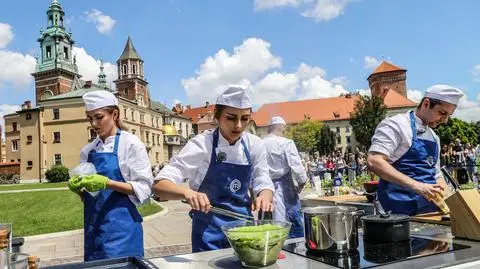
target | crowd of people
x=336, y=163
x=461, y=160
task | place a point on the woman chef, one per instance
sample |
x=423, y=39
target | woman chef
x=124, y=178
x=405, y=152
x=221, y=165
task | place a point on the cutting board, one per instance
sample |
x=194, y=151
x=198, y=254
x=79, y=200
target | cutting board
x=433, y=218
x=343, y=198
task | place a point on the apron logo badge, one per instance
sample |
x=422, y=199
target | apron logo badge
x=221, y=157
x=430, y=160
x=235, y=185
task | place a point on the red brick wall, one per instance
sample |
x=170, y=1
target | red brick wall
x=392, y=80
x=10, y=168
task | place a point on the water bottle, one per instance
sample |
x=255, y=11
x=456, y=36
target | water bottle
x=337, y=182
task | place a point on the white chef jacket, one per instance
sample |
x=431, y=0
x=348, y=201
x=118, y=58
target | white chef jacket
x=393, y=137
x=283, y=157
x=193, y=160
x=132, y=159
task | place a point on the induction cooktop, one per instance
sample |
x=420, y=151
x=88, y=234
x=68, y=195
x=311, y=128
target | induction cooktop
x=369, y=255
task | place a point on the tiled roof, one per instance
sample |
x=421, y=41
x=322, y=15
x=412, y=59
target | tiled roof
x=386, y=67
x=197, y=113
x=323, y=109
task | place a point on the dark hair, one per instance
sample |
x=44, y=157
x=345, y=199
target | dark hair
x=433, y=102
x=118, y=121
x=218, y=111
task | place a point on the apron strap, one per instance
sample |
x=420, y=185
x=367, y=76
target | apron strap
x=117, y=138
x=413, y=125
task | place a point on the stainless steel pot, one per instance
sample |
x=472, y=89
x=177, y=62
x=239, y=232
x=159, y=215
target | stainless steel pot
x=331, y=228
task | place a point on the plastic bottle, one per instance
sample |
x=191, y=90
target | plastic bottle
x=337, y=182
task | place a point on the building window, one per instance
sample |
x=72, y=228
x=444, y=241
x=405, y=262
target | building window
x=92, y=134
x=124, y=69
x=157, y=122
x=125, y=92
x=14, y=145
x=347, y=129
x=29, y=139
x=14, y=126
x=58, y=159
x=158, y=139
x=147, y=136
x=133, y=116
x=65, y=52
x=142, y=118
x=133, y=131
x=338, y=129
x=134, y=69
x=339, y=140
x=49, y=52
x=28, y=116
x=156, y=156
x=348, y=139
x=56, y=137
x=153, y=139
x=153, y=122
x=125, y=113
x=56, y=113
x=29, y=163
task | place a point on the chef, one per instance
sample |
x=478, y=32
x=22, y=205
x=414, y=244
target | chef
x=112, y=223
x=283, y=161
x=405, y=153
x=222, y=165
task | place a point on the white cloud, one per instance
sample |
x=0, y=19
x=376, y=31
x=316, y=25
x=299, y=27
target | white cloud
x=6, y=35
x=305, y=71
x=104, y=23
x=414, y=95
x=247, y=63
x=342, y=80
x=4, y=110
x=275, y=87
x=318, y=10
x=370, y=62
x=318, y=87
x=15, y=70
x=468, y=110
x=365, y=92
x=476, y=73
x=89, y=67
x=268, y=4
x=325, y=10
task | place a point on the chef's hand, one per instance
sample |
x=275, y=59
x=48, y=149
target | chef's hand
x=94, y=182
x=197, y=200
x=263, y=201
x=428, y=191
x=74, y=184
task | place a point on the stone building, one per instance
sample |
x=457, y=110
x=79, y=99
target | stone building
x=54, y=131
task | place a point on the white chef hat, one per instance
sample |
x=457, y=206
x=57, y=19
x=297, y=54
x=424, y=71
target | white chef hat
x=98, y=99
x=444, y=93
x=277, y=120
x=236, y=96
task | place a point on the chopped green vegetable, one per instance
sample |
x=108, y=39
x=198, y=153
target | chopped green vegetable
x=257, y=245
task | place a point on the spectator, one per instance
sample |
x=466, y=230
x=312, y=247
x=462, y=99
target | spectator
x=321, y=167
x=470, y=159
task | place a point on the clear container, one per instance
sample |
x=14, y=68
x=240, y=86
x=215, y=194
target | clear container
x=257, y=243
x=18, y=261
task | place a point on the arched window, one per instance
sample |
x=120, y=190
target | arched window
x=124, y=71
x=134, y=69
x=61, y=21
x=46, y=94
x=50, y=20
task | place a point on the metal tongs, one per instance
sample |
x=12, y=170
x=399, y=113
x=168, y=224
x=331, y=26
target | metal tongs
x=447, y=175
x=227, y=213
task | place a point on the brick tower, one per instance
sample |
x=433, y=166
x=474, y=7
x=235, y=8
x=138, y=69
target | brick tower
x=388, y=76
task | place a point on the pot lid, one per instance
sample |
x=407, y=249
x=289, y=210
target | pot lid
x=391, y=218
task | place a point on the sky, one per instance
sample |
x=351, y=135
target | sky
x=283, y=49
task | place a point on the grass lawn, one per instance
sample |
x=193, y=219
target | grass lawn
x=33, y=213
x=11, y=187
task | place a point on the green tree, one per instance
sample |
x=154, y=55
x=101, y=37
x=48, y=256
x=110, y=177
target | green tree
x=368, y=113
x=305, y=135
x=326, y=140
x=457, y=128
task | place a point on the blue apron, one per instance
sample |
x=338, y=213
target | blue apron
x=112, y=224
x=417, y=163
x=226, y=186
x=291, y=204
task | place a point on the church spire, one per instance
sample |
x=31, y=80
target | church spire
x=102, y=77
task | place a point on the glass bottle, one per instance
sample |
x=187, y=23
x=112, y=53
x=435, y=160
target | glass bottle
x=4, y=257
x=32, y=262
